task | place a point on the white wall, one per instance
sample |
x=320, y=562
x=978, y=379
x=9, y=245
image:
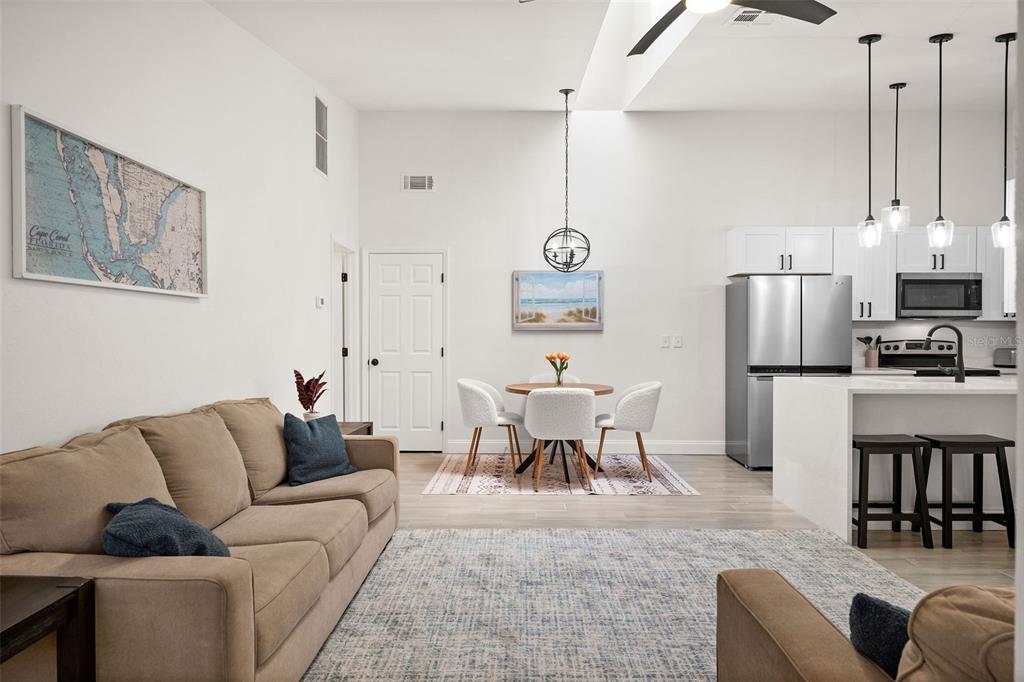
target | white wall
x=182, y=88
x=655, y=193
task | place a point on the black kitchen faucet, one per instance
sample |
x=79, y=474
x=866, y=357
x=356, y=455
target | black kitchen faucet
x=959, y=371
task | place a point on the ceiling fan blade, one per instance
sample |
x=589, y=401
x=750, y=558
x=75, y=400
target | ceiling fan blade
x=655, y=31
x=804, y=10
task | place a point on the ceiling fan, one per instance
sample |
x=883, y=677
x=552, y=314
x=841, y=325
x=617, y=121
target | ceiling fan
x=804, y=10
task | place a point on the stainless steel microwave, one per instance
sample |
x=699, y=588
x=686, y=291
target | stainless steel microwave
x=938, y=294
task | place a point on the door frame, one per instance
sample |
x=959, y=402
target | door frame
x=344, y=326
x=364, y=331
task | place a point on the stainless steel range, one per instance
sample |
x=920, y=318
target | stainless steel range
x=926, y=359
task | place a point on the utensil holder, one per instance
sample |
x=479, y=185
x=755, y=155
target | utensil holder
x=871, y=358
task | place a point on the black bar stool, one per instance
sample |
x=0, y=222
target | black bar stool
x=978, y=445
x=895, y=445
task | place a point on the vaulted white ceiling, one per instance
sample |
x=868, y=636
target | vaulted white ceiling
x=503, y=55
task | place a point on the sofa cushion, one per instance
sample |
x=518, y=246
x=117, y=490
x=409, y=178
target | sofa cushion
x=201, y=464
x=377, y=489
x=960, y=633
x=287, y=579
x=258, y=429
x=339, y=526
x=150, y=528
x=316, y=449
x=54, y=499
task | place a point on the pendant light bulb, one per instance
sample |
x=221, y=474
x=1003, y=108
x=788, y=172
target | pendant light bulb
x=706, y=6
x=1004, y=230
x=940, y=230
x=869, y=233
x=896, y=216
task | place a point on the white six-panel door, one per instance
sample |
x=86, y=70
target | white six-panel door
x=405, y=320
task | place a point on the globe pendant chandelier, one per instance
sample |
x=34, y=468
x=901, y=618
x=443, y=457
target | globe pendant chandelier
x=566, y=249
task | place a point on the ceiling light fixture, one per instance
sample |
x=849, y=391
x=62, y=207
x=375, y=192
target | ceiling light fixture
x=896, y=216
x=706, y=6
x=1004, y=230
x=869, y=230
x=940, y=230
x=566, y=249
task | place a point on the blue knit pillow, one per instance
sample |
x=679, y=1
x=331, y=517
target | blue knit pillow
x=316, y=449
x=878, y=630
x=150, y=528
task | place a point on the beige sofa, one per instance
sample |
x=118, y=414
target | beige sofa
x=298, y=554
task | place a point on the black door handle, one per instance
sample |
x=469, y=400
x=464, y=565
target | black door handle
x=375, y=362
x=790, y=261
x=782, y=261
x=862, y=308
x=869, y=308
x=933, y=261
x=943, y=267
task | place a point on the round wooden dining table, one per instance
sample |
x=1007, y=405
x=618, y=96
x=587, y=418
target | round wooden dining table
x=526, y=388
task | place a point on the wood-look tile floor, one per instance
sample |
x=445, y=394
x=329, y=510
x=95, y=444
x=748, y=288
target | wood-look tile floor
x=731, y=497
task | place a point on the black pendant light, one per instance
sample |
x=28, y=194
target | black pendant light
x=566, y=249
x=940, y=230
x=1004, y=230
x=869, y=230
x=896, y=216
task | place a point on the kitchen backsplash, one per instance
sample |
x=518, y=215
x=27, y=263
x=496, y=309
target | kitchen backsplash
x=980, y=338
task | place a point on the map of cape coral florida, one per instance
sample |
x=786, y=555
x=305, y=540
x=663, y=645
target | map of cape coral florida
x=96, y=216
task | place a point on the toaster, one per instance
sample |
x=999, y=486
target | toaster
x=1004, y=357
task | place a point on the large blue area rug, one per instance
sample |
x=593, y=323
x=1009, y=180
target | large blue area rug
x=566, y=604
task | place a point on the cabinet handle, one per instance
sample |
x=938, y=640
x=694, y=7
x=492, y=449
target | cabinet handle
x=790, y=261
x=862, y=308
x=933, y=261
x=869, y=308
x=782, y=261
x=943, y=267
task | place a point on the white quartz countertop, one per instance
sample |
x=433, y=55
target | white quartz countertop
x=910, y=385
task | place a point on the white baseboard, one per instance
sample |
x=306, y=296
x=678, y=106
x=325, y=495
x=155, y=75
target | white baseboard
x=618, y=446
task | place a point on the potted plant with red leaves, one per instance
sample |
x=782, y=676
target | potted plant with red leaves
x=309, y=392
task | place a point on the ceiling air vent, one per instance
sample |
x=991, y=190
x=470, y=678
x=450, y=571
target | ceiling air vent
x=417, y=183
x=751, y=17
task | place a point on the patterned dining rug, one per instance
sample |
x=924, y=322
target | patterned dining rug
x=574, y=604
x=492, y=475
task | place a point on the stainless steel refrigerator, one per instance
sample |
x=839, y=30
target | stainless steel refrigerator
x=779, y=325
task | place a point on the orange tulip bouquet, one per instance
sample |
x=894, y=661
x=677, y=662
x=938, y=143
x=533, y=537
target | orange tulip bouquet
x=560, y=363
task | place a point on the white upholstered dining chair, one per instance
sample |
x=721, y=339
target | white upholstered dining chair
x=482, y=407
x=634, y=412
x=560, y=414
x=549, y=378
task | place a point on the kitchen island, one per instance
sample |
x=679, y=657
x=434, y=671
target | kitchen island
x=815, y=418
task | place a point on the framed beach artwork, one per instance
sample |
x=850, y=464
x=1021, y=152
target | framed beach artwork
x=86, y=214
x=546, y=300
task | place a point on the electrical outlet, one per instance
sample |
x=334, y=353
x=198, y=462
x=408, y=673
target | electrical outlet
x=666, y=341
x=677, y=341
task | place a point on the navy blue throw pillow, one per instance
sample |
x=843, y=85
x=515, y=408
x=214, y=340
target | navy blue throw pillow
x=316, y=449
x=878, y=631
x=150, y=528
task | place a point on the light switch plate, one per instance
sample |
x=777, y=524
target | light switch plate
x=321, y=301
x=677, y=341
x=666, y=341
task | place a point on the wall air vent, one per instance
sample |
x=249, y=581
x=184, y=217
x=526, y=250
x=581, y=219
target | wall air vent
x=751, y=17
x=417, y=183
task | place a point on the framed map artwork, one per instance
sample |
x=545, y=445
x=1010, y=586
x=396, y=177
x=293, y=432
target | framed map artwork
x=85, y=214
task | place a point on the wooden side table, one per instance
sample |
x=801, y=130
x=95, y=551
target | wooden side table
x=32, y=607
x=356, y=428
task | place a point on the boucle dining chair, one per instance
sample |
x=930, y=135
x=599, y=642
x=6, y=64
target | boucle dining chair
x=565, y=414
x=634, y=412
x=549, y=378
x=482, y=407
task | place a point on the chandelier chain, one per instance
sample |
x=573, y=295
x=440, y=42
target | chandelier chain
x=566, y=160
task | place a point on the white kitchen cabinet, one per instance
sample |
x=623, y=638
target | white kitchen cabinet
x=998, y=268
x=873, y=271
x=914, y=254
x=779, y=250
